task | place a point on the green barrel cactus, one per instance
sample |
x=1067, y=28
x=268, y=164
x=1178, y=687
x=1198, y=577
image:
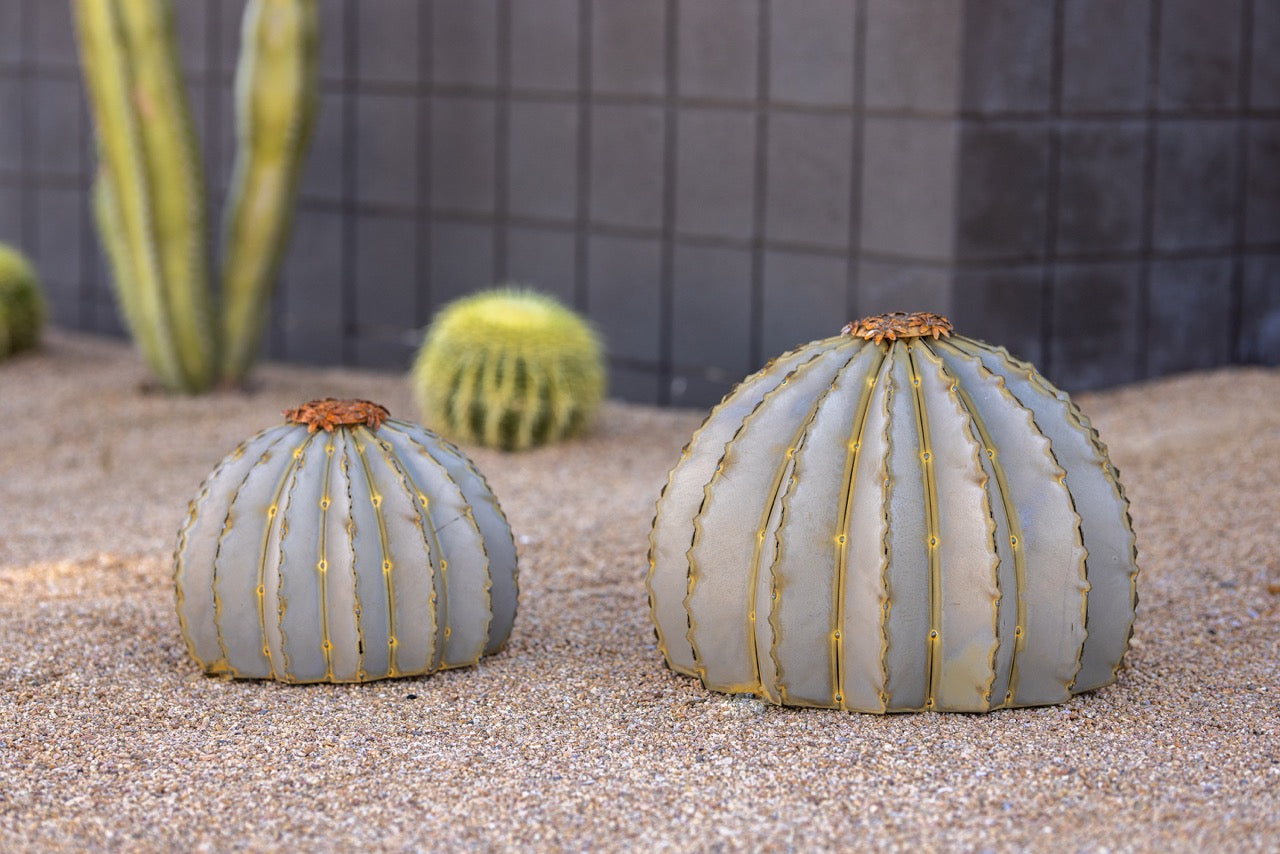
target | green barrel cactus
x=149, y=197
x=21, y=305
x=895, y=519
x=344, y=546
x=509, y=369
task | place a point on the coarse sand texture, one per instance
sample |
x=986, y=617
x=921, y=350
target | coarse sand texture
x=575, y=737
x=895, y=519
x=344, y=546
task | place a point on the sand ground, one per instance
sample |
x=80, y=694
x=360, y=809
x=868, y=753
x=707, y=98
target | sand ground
x=576, y=737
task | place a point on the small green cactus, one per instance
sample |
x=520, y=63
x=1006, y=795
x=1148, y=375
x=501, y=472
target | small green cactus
x=21, y=306
x=509, y=368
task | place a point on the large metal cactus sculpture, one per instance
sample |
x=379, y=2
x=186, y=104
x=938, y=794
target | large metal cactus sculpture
x=344, y=546
x=895, y=519
x=149, y=198
x=509, y=368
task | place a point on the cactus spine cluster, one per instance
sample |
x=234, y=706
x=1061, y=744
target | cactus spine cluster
x=149, y=198
x=509, y=369
x=895, y=519
x=21, y=305
x=344, y=546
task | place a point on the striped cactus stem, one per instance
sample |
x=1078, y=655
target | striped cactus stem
x=344, y=546
x=510, y=369
x=21, y=304
x=895, y=519
x=150, y=194
x=149, y=197
x=276, y=103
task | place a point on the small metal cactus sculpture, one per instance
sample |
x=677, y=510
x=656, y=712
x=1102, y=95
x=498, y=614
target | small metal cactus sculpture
x=510, y=369
x=344, y=546
x=895, y=519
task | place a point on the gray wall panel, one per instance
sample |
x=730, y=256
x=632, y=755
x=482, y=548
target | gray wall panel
x=715, y=181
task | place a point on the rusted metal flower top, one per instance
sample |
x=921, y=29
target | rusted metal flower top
x=330, y=412
x=899, y=324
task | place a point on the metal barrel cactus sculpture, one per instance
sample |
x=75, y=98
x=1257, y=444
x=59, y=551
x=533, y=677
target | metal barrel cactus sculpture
x=344, y=546
x=509, y=369
x=149, y=198
x=21, y=305
x=895, y=519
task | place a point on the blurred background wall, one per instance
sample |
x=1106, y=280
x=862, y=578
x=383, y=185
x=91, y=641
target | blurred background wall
x=1094, y=183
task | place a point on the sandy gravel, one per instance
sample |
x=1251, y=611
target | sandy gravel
x=576, y=737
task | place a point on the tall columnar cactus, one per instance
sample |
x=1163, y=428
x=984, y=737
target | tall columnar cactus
x=21, y=305
x=344, y=546
x=895, y=519
x=149, y=198
x=510, y=369
x=276, y=99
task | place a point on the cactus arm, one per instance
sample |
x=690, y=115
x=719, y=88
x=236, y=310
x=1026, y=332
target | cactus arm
x=177, y=184
x=110, y=85
x=276, y=102
x=107, y=214
x=745, y=485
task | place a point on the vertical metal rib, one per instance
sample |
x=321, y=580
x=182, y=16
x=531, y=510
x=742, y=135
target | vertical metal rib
x=463, y=558
x=965, y=554
x=500, y=547
x=908, y=573
x=1100, y=501
x=933, y=666
x=240, y=554
x=672, y=530
x=746, y=482
x=1045, y=534
x=436, y=564
x=864, y=637
x=197, y=549
x=412, y=579
x=301, y=567
x=368, y=556
x=387, y=565
x=809, y=567
x=342, y=598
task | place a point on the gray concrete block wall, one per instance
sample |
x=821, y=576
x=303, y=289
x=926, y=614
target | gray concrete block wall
x=1094, y=184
